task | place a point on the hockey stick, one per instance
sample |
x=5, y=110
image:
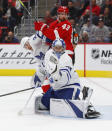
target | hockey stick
x=16, y=92
x=21, y=111
x=26, y=9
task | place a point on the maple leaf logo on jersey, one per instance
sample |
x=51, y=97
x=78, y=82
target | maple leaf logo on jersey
x=95, y=53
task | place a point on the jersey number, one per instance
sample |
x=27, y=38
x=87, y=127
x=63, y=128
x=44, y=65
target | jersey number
x=66, y=27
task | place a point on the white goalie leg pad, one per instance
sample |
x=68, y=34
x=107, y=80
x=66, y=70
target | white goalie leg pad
x=68, y=108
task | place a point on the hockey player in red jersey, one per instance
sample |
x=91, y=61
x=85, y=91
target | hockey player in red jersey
x=60, y=28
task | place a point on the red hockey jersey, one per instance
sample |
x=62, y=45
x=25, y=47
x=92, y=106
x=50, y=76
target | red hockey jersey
x=64, y=30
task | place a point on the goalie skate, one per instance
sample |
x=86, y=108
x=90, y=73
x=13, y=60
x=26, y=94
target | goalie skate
x=92, y=113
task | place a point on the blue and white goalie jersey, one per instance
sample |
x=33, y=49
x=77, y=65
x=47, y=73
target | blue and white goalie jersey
x=60, y=71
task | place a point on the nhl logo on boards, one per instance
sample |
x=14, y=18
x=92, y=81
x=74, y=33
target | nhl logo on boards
x=95, y=53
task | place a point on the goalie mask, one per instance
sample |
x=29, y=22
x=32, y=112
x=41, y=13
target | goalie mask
x=58, y=46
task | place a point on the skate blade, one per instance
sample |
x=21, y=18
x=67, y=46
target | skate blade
x=92, y=116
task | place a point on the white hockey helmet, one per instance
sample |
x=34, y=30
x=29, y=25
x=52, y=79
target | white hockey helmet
x=59, y=42
x=23, y=41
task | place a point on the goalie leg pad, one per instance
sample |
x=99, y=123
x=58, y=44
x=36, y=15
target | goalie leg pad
x=67, y=93
x=68, y=108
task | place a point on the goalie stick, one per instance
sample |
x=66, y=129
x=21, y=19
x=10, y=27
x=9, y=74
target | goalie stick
x=21, y=111
x=16, y=92
x=26, y=9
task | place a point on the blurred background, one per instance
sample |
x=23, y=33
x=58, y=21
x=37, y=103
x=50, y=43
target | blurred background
x=92, y=19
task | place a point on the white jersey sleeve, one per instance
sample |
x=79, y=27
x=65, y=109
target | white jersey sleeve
x=39, y=45
x=35, y=42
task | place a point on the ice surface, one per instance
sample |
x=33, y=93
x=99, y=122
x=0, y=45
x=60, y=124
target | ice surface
x=12, y=104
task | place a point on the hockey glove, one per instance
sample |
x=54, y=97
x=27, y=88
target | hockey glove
x=39, y=25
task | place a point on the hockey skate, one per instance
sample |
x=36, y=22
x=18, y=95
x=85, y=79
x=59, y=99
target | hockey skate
x=92, y=113
x=39, y=107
